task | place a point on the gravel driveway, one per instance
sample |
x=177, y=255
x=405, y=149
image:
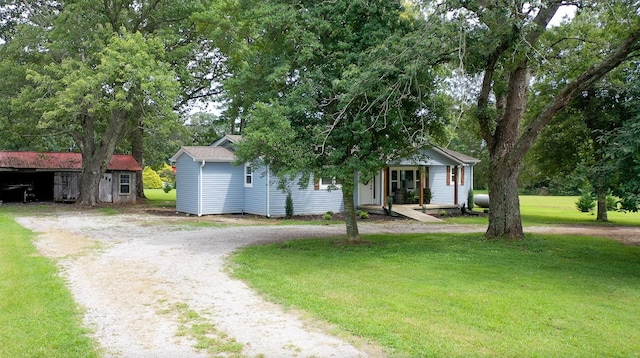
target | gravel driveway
x=142, y=279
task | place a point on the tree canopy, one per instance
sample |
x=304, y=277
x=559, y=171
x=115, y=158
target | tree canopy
x=506, y=45
x=96, y=75
x=331, y=89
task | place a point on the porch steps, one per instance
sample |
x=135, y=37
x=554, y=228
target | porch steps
x=414, y=214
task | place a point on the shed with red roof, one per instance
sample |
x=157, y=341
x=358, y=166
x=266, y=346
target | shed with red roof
x=55, y=176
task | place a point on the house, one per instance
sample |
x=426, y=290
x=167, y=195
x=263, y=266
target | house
x=52, y=176
x=209, y=182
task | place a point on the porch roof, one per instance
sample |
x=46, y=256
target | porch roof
x=456, y=156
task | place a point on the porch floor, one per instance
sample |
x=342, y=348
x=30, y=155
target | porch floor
x=414, y=211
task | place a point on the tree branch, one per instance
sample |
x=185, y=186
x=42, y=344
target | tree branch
x=574, y=88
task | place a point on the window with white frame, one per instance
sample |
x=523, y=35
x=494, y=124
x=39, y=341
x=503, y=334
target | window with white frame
x=125, y=184
x=248, y=176
x=329, y=183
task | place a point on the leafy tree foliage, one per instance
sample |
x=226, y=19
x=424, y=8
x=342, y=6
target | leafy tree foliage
x=45, y=39
x=151, y=179
x=505, y=44
x=332, y=88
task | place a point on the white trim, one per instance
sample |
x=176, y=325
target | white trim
x=248, y=174
x=268, y=194
x=332, y=184
x=120, y=184
x=200, y=189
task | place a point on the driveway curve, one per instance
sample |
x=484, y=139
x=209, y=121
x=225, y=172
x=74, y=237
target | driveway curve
x=143, y=281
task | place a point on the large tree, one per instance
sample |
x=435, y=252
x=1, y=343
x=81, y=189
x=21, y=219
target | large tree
x=36, y=32
x=331, y=89
x=92, y=95
x=504, y=45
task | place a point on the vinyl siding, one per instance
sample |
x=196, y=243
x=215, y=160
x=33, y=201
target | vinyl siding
x=187, y=189
x=443, y=193
x=306, y=201
x=222, y=189
x=255, y=198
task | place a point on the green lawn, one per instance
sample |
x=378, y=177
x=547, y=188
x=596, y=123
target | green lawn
x=545, y=210
x=160, y=195
x=453, y=295
x=38, y=317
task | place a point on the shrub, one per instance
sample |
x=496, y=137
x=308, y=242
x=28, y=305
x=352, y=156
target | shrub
x=167, y=187
x=612, y=203
x=586, y=202
x=362, y=214
x=167, y=174
x=470, y=203
x=288, y=205
x=151, y=179
x=328, y=215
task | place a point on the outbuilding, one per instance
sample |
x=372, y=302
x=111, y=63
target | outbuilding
x=55, y=176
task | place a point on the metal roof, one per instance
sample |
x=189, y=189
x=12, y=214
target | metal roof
x=61, y=161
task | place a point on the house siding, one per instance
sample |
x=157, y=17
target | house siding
x=118, y=198
x=255, y=197
x=187, y=188
x=306, y=201
x=443, y=193
x=222, y=189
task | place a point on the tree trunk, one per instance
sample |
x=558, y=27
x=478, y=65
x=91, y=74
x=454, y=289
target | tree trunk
x=137, y=151
x=97, y=149
x=504, y=205
x=90, y=180
x=602, y=206
x=350, y=211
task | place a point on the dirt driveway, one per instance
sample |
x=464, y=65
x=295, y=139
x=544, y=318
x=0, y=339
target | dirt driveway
x=147, y=282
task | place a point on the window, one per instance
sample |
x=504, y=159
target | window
x=452, y=175
x=125, y=184
x=248, y=176
x=329, y=183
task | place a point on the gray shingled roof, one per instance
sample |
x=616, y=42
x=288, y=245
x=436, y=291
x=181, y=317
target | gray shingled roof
x=462, y=158
x=208, y=154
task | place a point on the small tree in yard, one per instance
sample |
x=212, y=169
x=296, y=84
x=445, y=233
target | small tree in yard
x=288, y=205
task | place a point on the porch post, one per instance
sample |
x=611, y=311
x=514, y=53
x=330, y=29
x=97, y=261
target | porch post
x=455, y=184
x=421, y=186
x=386, y=186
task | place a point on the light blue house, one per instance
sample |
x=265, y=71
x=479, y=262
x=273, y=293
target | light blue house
x=208, y=182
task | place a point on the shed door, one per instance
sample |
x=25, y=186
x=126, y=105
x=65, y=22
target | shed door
x=106, y=188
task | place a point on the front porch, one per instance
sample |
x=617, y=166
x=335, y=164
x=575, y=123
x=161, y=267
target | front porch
x=414, y=211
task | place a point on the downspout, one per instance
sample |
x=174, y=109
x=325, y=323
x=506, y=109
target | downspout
x=268, y=194
x=200, y=190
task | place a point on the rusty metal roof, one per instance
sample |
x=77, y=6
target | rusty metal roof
x=61, y=161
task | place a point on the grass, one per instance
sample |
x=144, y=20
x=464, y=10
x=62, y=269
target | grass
x=38, y=315
x=205, y=335
x=551, y=210
x=158, y=198
x=460, y=295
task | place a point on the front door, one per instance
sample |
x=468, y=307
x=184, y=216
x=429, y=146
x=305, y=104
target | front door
x=366, y=192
